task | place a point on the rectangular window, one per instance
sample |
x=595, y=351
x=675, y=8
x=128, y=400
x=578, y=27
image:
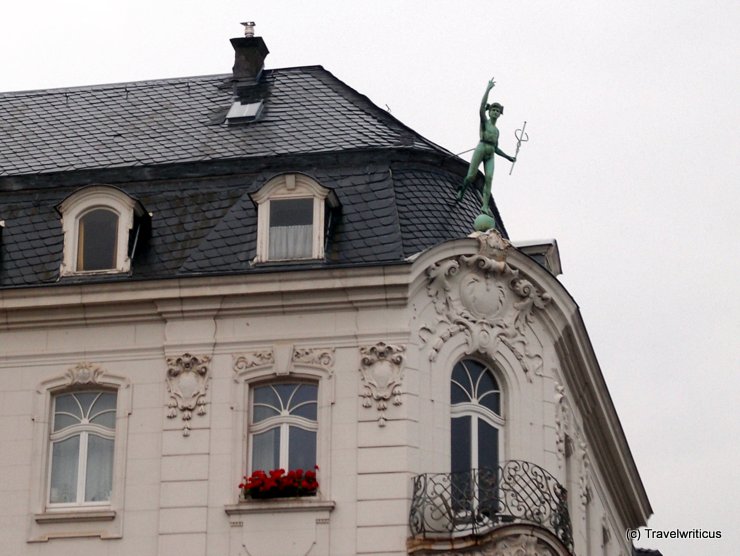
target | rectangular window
x=291, y=229
x=82, y=441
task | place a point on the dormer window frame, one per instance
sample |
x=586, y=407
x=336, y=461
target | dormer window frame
x=83, y=202
x=292, y=186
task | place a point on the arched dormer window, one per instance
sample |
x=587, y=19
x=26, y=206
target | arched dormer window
x=291, y=221
x=97, y=222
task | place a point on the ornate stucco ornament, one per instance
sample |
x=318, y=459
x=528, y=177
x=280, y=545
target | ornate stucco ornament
x=187, y=382
x=283, y=359
x=584, y=490
x=253, y=359
x=561, y=421
x=381, y=368
x=519, y=545
x=84, y=373
x=315, y=357
x=484, y=298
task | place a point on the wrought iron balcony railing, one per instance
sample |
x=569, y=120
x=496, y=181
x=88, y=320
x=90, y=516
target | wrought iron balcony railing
x=477, y=501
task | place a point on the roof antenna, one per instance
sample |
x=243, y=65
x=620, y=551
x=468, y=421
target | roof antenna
x=248, y=29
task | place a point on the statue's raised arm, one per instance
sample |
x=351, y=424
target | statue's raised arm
x=484, y=102
x=484, y=152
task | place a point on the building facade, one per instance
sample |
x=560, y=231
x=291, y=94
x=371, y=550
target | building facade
x=206, y=280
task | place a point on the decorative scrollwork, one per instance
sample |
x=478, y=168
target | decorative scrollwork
x=484, y=298
x=253, y=359
x=446, y=505
x=561, y=420
x=84, y=373
x=187, y=382
x=316, y=357
x=381, y=368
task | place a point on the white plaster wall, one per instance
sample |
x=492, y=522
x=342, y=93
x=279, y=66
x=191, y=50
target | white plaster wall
x=177, y=489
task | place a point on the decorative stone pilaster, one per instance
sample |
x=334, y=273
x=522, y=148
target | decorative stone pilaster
x=381, y=369
x=483, y=297
x=187, y=382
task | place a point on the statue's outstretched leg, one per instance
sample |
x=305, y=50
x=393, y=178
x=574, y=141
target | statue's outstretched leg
x=488, y=168
x=461, y=189
x=472, y=171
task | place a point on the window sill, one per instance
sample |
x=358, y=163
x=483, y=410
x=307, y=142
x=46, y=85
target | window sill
x=279, y=505
x=71, y=516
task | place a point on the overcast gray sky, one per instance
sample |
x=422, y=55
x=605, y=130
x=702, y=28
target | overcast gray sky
x=633, y=116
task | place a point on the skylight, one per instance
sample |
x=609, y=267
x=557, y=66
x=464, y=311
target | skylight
x=242, y=113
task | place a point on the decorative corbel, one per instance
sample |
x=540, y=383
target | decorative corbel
x=187, y=382
x=381, y=368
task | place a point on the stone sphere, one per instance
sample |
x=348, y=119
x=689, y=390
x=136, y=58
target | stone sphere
x=483, y=223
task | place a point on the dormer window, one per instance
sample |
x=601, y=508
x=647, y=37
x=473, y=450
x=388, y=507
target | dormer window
x=291, y=229
x=97, y=240
x=291, y=218
x=98, y=223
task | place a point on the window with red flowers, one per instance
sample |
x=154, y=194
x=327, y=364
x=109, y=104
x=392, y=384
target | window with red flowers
x=283, y=426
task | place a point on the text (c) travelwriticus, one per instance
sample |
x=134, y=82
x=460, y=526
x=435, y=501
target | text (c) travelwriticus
x=649, y=533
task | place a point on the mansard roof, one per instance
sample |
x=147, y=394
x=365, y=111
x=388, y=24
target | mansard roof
x=306, y=110
x=166, y=143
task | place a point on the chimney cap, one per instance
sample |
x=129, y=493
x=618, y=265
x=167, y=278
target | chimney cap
x=248, y=28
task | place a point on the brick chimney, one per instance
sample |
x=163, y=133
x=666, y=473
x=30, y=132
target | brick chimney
x=249, y=57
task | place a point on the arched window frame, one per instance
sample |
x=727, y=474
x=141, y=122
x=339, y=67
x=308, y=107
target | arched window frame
x=292, y=187
x=81, y=203
x=83, y=430
x=283, y=422
x=254, y=369
x=478, y=411
x=105, y=519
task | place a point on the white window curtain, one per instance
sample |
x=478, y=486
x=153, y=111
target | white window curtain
x=291, y=242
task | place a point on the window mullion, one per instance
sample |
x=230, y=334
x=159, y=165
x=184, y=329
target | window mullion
x=82, y=468
x=284, y=446
x=474, y=442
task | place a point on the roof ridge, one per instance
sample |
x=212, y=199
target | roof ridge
x=140, y=83
x=386, y=115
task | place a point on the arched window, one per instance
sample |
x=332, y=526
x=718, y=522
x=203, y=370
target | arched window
x=102, y=226
x=283, y=426
x=97, y=240
x=292, y=213
x=476, y=417
x=82, y=436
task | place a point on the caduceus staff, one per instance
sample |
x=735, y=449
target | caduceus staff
x=521, y=137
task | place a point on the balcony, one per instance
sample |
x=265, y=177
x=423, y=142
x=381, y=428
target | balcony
x=452, y=505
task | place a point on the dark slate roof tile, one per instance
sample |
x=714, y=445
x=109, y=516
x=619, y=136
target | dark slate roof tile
x=388, y=211
x=171, y=120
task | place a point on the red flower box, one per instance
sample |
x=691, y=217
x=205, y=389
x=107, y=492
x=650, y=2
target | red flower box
x=279, y=484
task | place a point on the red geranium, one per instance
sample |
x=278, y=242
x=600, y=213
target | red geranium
x=279, y=484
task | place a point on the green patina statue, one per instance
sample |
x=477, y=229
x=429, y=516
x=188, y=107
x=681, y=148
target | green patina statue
x=485, y=151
